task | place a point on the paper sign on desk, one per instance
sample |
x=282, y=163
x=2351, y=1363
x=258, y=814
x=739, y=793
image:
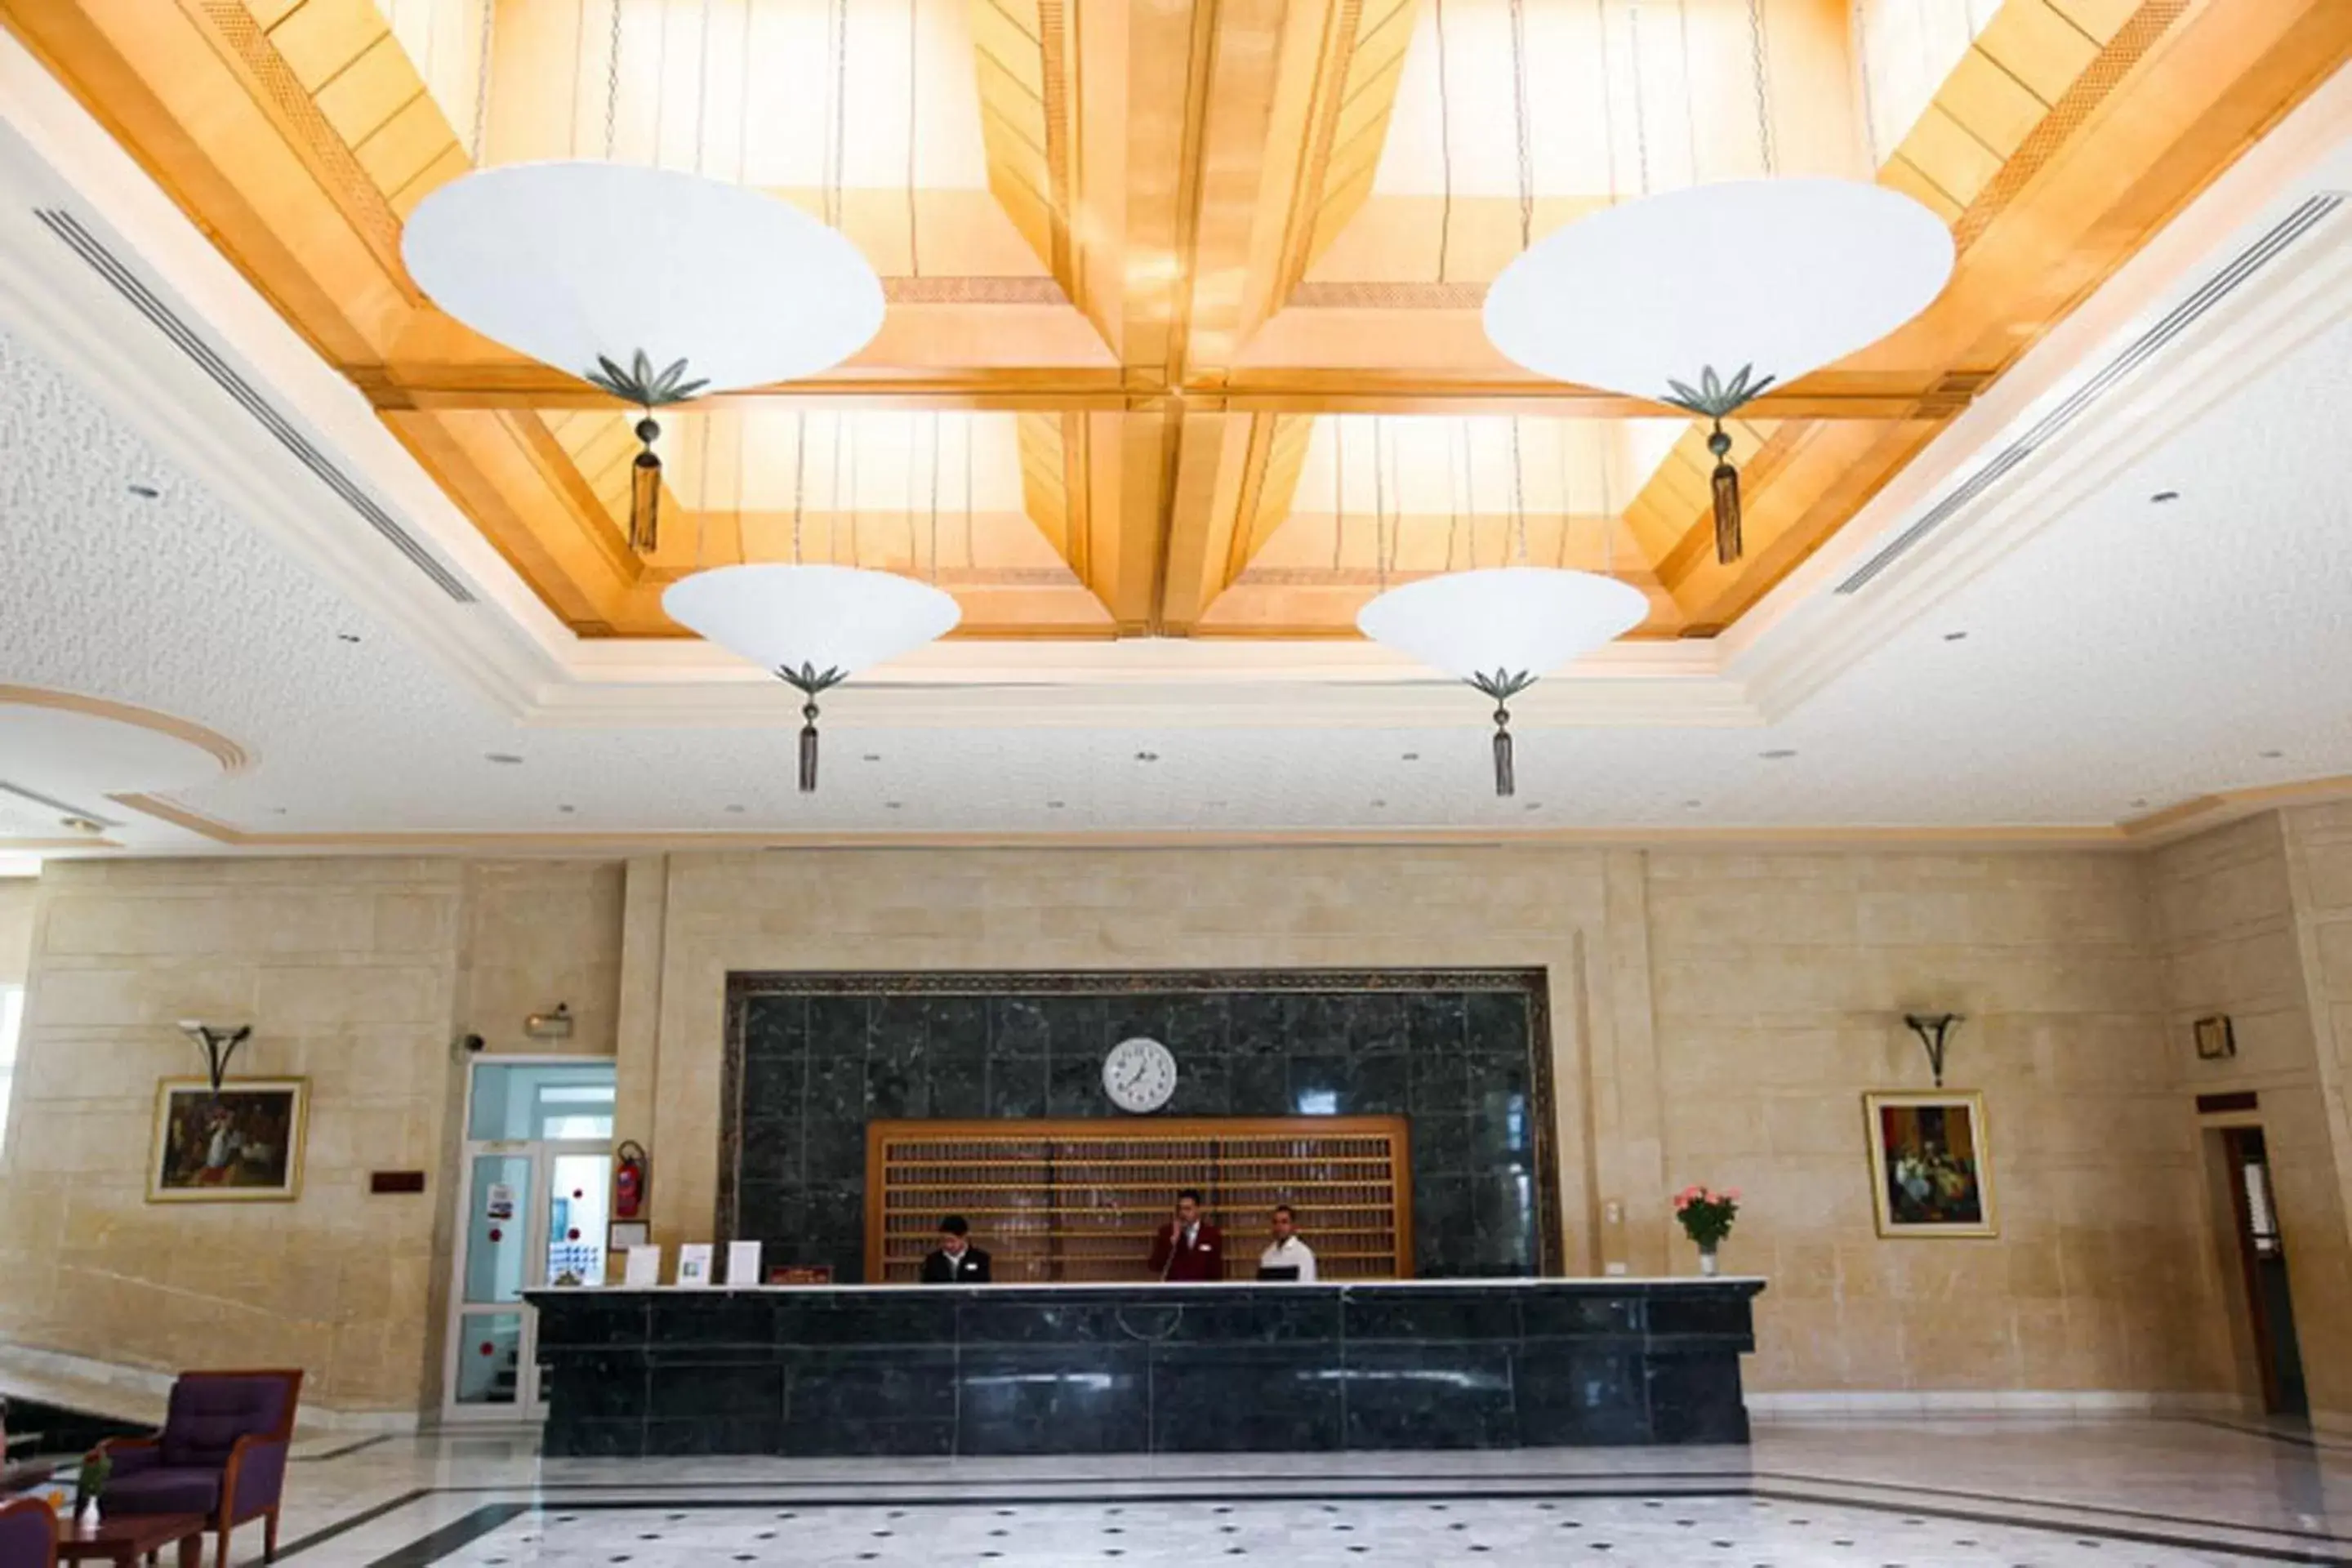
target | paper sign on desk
x=743, y=1263
x=643, y=1267
x=694, y=1263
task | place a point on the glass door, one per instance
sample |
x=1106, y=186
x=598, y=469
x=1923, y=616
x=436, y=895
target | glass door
x=537, y=1180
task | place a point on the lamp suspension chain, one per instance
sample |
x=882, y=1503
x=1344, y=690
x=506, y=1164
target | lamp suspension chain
x=1607, y=99
x=914, y=97
x=1452, y=498
x=613, y=82
x=1444, y=151
x=701, y=85
x=1641, y=101
x=482, y=86
x=799, y=474
x=1520, y=123
x=1859, y=24
x=1690, y=98
x=1760, y=64
x=1339, y=488
x=1470, y=489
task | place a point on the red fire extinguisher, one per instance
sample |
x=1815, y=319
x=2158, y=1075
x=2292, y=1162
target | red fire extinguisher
x=630, y=1181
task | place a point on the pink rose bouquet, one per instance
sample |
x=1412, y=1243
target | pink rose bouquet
x=1706, y=1215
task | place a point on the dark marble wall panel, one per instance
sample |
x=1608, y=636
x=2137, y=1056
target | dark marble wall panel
x=1463, y=1056
x=1147, y=1368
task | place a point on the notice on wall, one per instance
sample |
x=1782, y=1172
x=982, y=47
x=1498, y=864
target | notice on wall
x=742, y=1263
x=694, y=1263
x=499, y=1201
x=644, y=1268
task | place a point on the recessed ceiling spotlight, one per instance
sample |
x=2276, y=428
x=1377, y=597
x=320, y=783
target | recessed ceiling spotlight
x=1147, y=756
x=2141, y=801
x=1379, y=805
x=277, y=811
x=567, y=810
x=2274, y=755
x=873, y=756
x=1692, y=805
x=145, y=492
x=2165, y=498
x=1412, y=756
x=504, y=759
x=1956, y=637
x=735, y=810
x=1535, y=806
x=1778, y=755
x=1052, y=805
x=347, y=636
x=894, y=804
x=80, y=825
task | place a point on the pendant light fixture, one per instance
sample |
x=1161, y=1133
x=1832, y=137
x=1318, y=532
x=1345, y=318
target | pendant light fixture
x=813, y=627
x=655, y=285
x=1498, y=629
x=1703, y=298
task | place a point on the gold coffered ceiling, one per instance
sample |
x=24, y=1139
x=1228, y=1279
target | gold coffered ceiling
x=1183, y=334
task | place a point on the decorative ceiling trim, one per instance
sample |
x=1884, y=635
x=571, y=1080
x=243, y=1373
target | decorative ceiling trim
x=932, y=290
x=2068, y=115
x=233, y=758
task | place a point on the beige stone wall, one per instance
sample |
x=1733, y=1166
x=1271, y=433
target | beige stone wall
x=540, y=933
x=1717, y=1017
x=2231, y=943
x=1780, y=981
x=348, y=969
x=16, y=927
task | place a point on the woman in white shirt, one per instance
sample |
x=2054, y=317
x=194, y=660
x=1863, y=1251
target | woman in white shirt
x=1289, y=1258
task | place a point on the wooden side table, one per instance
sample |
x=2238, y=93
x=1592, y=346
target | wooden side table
x=124, y=1539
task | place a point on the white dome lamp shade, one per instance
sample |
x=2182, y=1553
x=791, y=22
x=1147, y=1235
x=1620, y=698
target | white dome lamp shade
x=655, y=285
x=812, y=626
x=1704, y=297
x=1501, y=629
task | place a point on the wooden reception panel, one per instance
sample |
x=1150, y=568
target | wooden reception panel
x=1080, y=1199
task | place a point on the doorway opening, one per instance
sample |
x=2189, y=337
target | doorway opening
x=536, y=1180
x=2262, y=1255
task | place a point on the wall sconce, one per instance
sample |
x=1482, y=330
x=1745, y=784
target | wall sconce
x=218, y=1043
x=2216, y=1040
x=1935, y=1031
x=555, y=1025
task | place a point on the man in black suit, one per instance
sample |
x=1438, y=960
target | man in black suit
x=955, y=1261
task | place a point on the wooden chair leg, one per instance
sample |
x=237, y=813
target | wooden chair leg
x=270, y=1536
x=223, y=1561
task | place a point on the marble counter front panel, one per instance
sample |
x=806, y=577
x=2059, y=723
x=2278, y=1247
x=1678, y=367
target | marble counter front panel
x=1127, y=1368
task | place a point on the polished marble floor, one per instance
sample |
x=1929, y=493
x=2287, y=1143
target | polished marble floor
x=2044, y=1492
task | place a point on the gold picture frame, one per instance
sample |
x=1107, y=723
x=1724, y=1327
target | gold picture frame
x=1931, y=1164
x=242, y=1144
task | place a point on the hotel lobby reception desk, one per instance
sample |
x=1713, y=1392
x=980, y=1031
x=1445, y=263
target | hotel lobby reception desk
x=1085, y=1369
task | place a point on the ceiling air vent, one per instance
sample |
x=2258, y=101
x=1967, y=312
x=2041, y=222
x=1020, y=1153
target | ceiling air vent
x=50, y=805
x=2176, y=320
x=106, y=265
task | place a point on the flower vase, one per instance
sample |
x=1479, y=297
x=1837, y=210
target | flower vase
x=86, y=1516
x=1707, y=1264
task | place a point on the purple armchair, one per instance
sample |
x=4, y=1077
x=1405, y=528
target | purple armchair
x=29, y=1533
x=222, y=1454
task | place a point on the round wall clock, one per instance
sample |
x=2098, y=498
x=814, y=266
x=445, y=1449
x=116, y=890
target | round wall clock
x=1138, y=1075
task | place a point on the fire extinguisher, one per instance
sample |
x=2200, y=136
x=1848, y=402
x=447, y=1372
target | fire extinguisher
x=630, y=1181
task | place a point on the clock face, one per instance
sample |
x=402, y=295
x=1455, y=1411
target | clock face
x=1138, y=1075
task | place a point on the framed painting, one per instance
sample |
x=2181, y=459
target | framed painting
x=1930, y=1169
x=242, y=1144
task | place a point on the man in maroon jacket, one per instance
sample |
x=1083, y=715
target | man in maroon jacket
x=1188, y=1247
